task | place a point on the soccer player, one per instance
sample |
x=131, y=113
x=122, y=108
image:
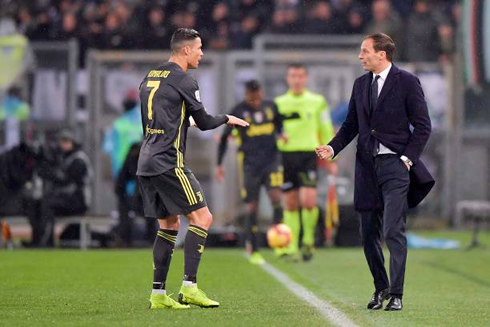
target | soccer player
x=169, y=97
x=306, y=122
x=258, y=158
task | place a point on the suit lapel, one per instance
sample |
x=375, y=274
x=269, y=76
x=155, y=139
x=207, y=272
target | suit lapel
x=391, y=80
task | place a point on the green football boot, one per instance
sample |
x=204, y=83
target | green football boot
x=256, y=259
x=280, y=252
x=163, y=301
x=288, y=254
x=193, y=295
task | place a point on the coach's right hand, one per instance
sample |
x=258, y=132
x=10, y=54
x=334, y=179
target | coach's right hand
x=220, y=174
x=324, y=152
x=234, y=121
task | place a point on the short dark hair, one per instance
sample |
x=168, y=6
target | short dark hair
x=66, y=135
x=383, y=42
x=297, y=65
x=182, y=35
x=252, y=85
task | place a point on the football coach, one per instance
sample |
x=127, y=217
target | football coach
x=389, y=114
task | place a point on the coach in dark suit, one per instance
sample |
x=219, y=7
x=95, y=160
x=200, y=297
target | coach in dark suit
x=385, y=103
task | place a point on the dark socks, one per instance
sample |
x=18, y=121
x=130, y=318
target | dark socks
x=163, y=248
x=252, y=229
x=277, y=216
x=193, y=249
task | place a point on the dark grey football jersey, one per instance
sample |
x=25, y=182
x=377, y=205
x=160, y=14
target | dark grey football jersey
x=168, y=96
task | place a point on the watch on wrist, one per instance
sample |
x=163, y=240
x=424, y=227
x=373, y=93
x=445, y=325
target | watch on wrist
x=406, y=160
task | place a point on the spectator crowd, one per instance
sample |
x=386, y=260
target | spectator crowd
x=423, y=29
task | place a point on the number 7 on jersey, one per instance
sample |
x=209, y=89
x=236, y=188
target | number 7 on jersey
x=154, y=85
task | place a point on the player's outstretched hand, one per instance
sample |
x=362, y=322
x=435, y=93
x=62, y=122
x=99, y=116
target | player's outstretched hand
x=324, y=152
x=220, y=174
x=234, y=121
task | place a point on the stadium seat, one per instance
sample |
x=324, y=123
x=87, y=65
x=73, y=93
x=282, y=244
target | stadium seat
x=84, y=235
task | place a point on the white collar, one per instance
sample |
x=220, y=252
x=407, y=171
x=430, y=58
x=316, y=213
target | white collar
x=384, y=74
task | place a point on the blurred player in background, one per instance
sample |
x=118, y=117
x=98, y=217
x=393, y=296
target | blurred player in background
x=130, y=204
x=258, y=158
x=123, y=133
x=169, y=96
x=307, y=123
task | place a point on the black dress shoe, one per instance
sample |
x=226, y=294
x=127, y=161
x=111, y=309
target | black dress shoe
x=377, y=299
x=395, y=304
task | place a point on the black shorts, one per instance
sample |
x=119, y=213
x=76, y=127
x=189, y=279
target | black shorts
x=299, y=170
x=175, y=192
x=270, y=176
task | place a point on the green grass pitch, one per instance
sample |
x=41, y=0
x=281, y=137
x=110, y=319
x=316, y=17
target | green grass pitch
x=99, y=287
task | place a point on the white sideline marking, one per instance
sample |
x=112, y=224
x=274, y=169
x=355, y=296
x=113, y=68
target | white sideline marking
x=328, y=311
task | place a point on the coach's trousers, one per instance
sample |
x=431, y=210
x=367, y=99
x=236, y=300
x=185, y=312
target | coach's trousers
x=393, y=180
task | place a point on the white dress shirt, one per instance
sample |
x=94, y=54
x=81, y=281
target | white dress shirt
x=381, y=82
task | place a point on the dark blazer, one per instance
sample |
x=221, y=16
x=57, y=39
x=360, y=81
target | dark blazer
x=400, y=104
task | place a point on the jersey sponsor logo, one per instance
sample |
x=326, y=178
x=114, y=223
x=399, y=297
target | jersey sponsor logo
x=159, y=73
x=259, y=130
x=198, y=95
x=151, y=131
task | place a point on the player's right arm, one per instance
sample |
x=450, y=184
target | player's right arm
x=192, y=99
x=205, y=121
